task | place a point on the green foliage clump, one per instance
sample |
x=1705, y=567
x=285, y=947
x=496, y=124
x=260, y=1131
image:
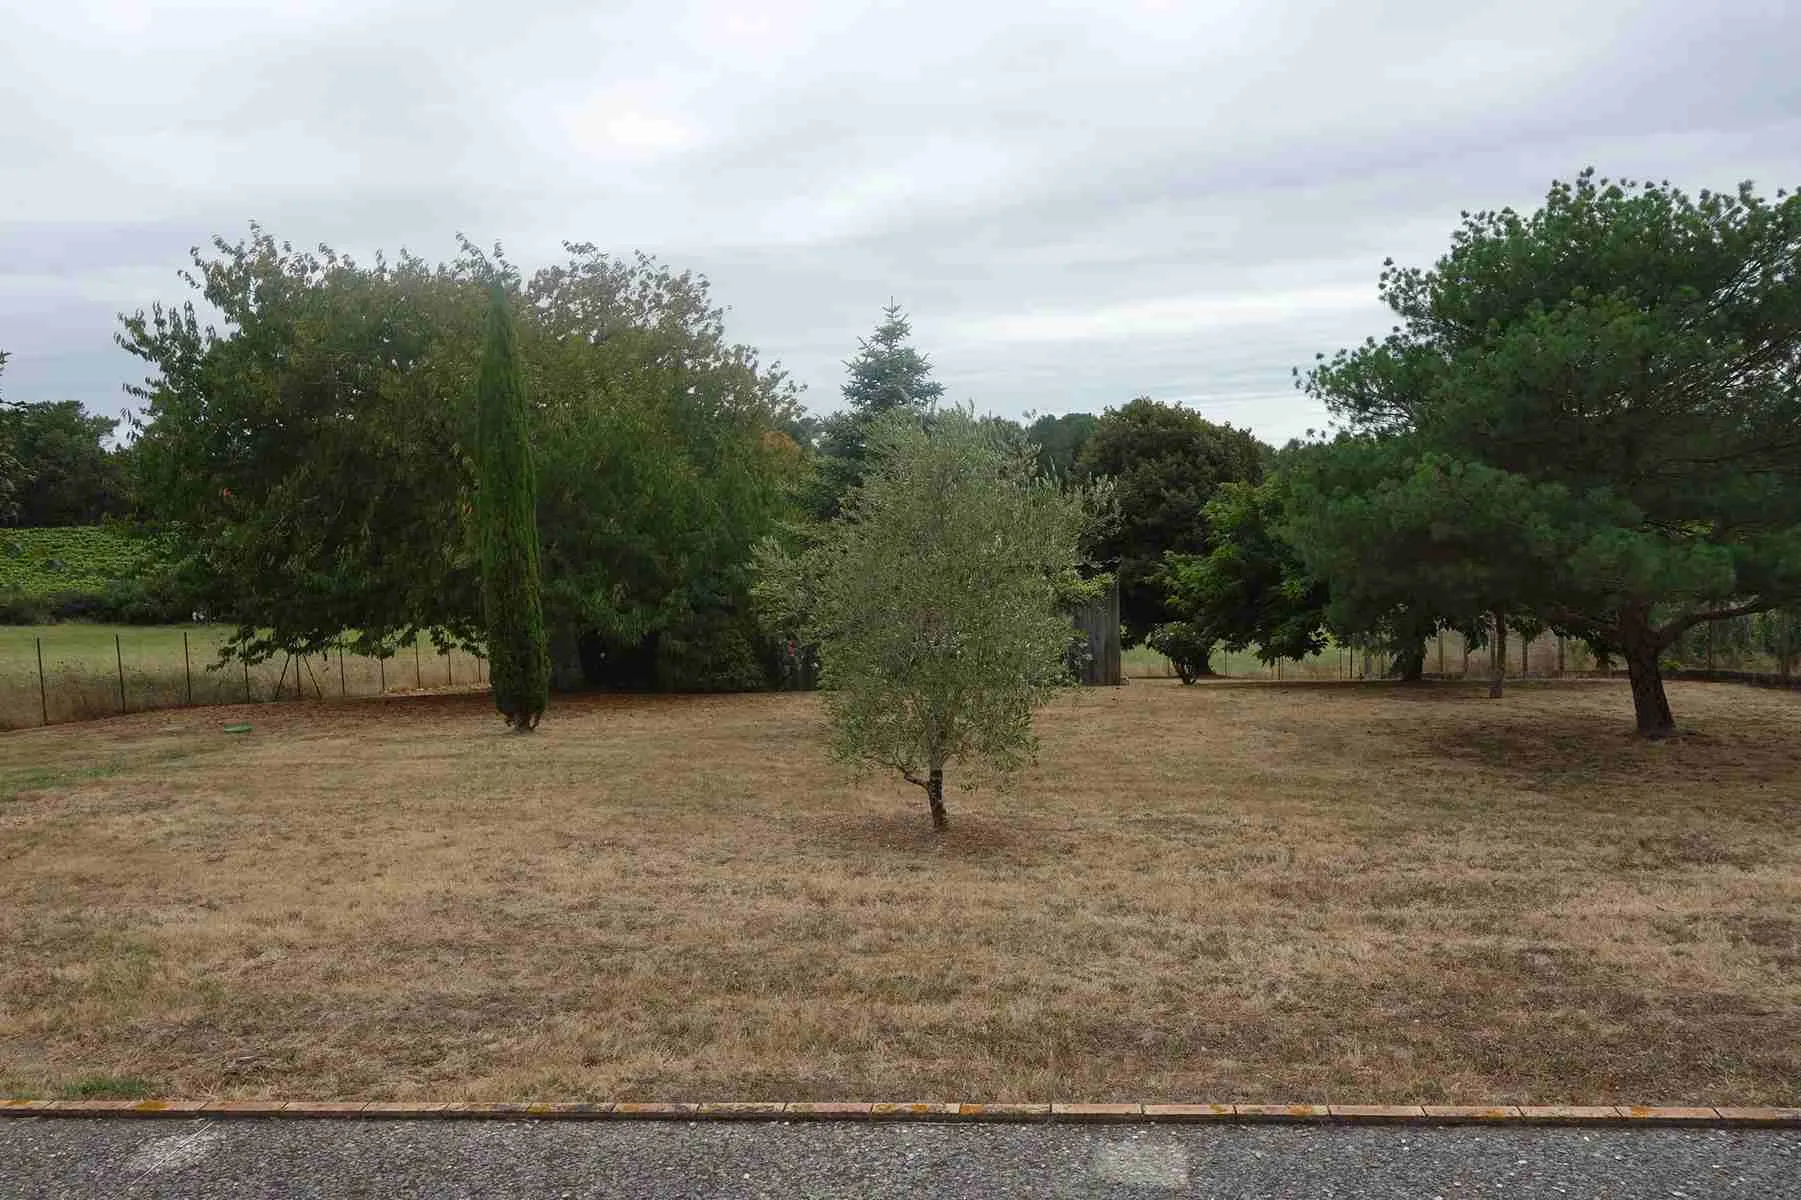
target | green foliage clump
x=13, y=476
x=1250, y=588
x=70, y=477
x=1589, y=416
x=1187, y=647
x=94, y=573
x=715, y=652
x=507, y=518
x=935, y=599
x=1166, y=463
x=317, y=450
x=1060, y=441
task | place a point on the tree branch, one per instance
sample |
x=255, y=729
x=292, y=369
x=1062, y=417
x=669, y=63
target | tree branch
x=1681, y=625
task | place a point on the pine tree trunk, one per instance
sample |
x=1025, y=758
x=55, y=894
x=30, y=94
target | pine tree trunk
x=935, y=798
x=1497, y=658
x=1649, y=704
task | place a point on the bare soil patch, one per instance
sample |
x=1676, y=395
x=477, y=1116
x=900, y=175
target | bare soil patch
x=1320, y=892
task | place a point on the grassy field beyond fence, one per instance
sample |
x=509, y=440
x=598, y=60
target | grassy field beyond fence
x=1545, y=656
x=82, y=671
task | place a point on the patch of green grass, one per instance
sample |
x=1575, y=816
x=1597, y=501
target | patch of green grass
x=1142, y=662
x=107, y=1087
x=82, y=662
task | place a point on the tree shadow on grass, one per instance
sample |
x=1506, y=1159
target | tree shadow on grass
x=907, y=832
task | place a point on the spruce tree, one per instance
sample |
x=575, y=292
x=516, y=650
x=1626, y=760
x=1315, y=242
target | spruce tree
x=507, y=516
x=886, y=375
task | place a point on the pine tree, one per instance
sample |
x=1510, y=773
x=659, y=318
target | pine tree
x=506, y=510
x=1590, y=416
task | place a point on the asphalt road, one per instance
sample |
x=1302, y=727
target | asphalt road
x=248, y=1160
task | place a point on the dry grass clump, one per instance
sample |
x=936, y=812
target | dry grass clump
x=1239, y=891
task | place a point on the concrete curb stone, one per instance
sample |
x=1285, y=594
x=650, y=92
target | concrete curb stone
x=1617, y=1116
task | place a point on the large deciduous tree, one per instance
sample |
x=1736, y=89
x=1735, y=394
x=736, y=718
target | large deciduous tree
x=935, y=597
x=1618, y=374
x=507, y=519
x=1167, y=462
x=316, y=452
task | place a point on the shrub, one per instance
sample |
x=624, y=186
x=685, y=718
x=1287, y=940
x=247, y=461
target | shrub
x=1187, y=650
x=715, y=652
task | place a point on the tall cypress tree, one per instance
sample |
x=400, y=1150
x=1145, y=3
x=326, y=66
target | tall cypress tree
x=507, y=516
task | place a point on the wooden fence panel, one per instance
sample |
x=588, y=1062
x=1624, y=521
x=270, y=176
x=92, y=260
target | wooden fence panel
x=1098, y=622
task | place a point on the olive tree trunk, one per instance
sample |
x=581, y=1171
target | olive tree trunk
x=935, y=799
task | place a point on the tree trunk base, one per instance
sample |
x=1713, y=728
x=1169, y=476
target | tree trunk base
x=1650, y=705
x=935, y=800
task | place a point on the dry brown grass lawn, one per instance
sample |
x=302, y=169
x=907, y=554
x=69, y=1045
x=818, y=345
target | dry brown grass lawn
x=1244, y=892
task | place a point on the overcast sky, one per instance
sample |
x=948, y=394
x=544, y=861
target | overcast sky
x=1077, y=203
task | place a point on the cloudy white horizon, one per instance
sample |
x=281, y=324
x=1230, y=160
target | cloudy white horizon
x=1076, y=203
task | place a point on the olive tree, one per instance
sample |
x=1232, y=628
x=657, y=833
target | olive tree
x=935, y=600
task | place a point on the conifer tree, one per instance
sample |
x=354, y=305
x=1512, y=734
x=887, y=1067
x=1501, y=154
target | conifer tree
x=506, y=512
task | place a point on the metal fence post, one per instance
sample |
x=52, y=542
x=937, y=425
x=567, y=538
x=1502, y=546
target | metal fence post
x=343, y=688
x=119, y=655
x=418, y=680
x=449, y=677
x=43, y=695
x=381, y=671
x=246, y=665
x=187, y=667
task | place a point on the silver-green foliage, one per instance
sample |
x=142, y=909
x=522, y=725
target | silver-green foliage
x=934, y=599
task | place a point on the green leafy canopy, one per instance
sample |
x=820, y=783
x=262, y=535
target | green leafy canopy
x=1590, y=414
x=935, y=597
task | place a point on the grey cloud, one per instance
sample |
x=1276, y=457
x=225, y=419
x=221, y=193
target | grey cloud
x=1077, y=203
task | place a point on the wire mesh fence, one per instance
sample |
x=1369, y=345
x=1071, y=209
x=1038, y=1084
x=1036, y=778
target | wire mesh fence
x=1760, y=648
x=53, y=674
